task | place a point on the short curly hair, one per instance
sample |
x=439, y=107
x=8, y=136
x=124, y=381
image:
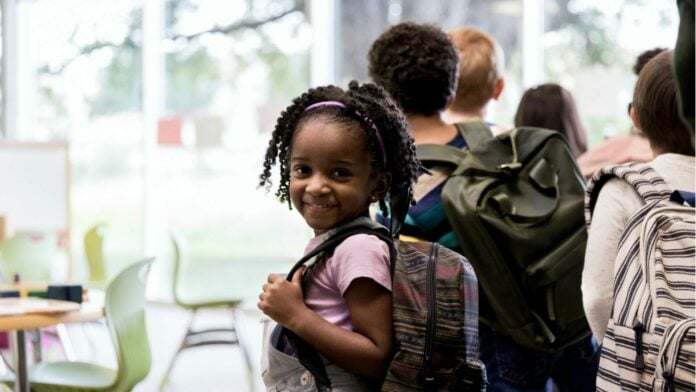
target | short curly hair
x=417, y=65
x=362, y=101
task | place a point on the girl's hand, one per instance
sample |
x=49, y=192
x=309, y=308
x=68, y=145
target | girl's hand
x=282, y=300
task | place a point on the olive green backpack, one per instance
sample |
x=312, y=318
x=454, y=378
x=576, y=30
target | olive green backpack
x=515, y=203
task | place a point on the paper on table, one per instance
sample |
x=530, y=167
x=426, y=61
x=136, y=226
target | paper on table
x=29, y=305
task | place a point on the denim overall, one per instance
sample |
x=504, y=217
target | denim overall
x=282, y=372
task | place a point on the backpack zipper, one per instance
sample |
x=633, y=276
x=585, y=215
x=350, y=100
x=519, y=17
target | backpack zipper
x=428, y=376
x=639, y=329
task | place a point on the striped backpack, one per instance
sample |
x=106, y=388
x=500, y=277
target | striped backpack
x=434, y=316
x=649, y=342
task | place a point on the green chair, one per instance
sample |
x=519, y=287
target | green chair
x=94, y=253
x=29, y=256
x=124, y=307
x=195, y=299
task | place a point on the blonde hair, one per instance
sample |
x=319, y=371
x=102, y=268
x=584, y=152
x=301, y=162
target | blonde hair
x=480, y=66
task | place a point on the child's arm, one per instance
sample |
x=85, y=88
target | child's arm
x=363, y=351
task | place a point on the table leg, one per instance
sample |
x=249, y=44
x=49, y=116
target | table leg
x=20, y=359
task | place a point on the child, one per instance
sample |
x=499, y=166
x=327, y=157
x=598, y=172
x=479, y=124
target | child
x=551, y=106
x=655, y=112
x=481, y=80
x=338, y=152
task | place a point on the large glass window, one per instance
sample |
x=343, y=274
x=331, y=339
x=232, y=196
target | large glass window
x=590, y=47
x=231, y=67
x=87, y=91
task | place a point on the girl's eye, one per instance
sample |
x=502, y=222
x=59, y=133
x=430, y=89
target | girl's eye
x=301, y=171
x=341, y=173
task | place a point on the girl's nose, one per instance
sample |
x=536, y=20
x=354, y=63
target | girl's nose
x=317, y=185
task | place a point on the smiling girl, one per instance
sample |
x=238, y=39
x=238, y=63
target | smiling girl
x=338, y=152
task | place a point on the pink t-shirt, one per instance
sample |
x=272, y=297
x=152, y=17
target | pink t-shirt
x=358, y=256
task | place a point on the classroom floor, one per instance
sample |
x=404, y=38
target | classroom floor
x=207, y=368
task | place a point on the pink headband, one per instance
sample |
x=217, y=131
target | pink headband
x=361, y=116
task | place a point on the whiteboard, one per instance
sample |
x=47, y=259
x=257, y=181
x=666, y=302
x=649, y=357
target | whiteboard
x=35, y=186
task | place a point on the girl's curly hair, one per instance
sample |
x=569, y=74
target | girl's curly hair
x=368, y=100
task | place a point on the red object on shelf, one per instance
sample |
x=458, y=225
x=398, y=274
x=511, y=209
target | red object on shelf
x=169, y=131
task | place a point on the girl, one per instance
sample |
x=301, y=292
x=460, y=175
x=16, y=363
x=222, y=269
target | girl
x=551, y=106
x=338, y=152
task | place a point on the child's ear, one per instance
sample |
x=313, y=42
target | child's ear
x=634, y=117
x=382, y=184
x=498, y=88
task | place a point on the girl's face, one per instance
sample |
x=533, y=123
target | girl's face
x=331, y=176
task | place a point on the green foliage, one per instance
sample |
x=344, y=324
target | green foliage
x=120, y=82
x=192, y=79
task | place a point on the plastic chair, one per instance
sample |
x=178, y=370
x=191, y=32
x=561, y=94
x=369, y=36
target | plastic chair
x=94, y=253
x=195, y=301
x=124, y=307
x=30, y=256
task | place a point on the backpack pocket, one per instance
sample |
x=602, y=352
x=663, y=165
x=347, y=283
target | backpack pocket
x=555, y=280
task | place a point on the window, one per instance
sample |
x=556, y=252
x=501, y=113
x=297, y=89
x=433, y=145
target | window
x=590, y=47
x=86, y=91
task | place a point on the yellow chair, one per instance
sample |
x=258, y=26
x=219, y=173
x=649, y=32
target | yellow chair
x=124, y=307
x=195, y=299
x=94, y=253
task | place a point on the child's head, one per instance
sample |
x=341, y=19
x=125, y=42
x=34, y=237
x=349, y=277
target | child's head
x=339, y=151
x=655, y=110
x=481, y=65
x=553, y=107
x=417, y=65
x=644, y=57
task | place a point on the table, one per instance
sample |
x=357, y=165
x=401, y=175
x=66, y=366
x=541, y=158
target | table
x=20, y=314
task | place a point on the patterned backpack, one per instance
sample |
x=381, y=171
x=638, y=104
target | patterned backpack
x=649, y=342
x=434, y=316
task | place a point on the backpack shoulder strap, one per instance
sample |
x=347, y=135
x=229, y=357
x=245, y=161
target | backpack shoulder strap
x=643, y=178
x=306, y=354
x=439, y=153
x=474, y=132
x=357, y=227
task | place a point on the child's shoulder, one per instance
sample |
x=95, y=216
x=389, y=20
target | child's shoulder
x=362, y=242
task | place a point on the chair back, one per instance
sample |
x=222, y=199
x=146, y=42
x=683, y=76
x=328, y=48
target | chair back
x=30, y=255
x=94, y=253
x=178, y=247
x=125, y=315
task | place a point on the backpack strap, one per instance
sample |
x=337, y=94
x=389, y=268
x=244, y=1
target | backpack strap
x=306, y=354
x=644, y=179
x=474, y=132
